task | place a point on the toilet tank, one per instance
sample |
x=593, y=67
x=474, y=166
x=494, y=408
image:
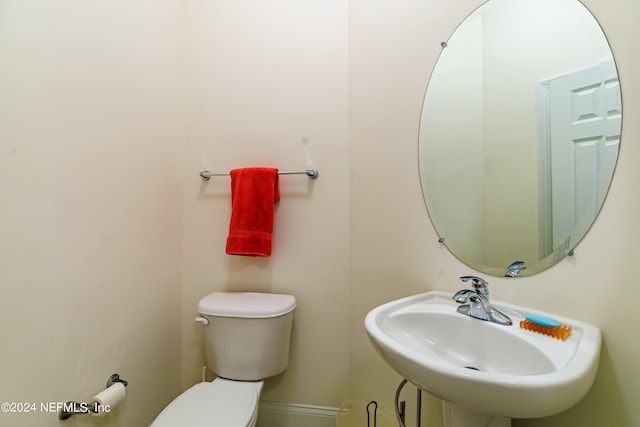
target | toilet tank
x=248, y=334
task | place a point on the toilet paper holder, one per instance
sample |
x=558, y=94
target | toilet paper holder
x=77, y=408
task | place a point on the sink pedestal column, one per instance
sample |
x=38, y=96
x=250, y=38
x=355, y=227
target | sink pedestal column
x=457, y=416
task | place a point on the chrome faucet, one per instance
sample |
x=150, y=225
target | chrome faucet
x=515, y=269
x=475, y=302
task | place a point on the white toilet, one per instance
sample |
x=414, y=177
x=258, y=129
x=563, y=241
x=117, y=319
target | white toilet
x=246, y=340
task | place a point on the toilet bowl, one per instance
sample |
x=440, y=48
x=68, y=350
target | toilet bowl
x=247, y=338
x=218, y=403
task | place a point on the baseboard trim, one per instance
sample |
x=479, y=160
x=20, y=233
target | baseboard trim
x=272, y=414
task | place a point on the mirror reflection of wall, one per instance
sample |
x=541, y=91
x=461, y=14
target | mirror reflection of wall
x=479, y=152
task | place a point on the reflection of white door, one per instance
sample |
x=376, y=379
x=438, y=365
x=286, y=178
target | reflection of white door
x=581, y=126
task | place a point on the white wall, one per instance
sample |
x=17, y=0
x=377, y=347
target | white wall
x=90, y=129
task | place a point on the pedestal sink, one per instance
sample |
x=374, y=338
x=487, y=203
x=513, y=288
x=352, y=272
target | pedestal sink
x=484, y=372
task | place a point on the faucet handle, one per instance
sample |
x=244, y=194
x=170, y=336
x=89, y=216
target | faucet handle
x=479, y=285
x=476, y=281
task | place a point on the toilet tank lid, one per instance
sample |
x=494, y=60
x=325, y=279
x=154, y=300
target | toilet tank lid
x=246, y=304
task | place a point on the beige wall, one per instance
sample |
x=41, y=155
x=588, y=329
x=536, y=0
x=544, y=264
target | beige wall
x=90, y=130
x=268, y=86
x=108, y=111
x=394, y=45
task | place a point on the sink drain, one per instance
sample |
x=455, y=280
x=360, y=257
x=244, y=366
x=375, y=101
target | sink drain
x=473, y=368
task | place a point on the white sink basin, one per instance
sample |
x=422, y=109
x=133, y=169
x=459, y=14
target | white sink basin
x=481, y=366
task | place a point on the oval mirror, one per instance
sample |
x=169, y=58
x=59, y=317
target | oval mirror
x=519, y=134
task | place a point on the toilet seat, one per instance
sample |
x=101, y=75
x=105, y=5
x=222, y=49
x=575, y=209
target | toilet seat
x=218, y=403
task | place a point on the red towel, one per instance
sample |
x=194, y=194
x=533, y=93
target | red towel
x=254, y=191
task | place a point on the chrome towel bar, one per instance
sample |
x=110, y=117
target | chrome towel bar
x=311, y=173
